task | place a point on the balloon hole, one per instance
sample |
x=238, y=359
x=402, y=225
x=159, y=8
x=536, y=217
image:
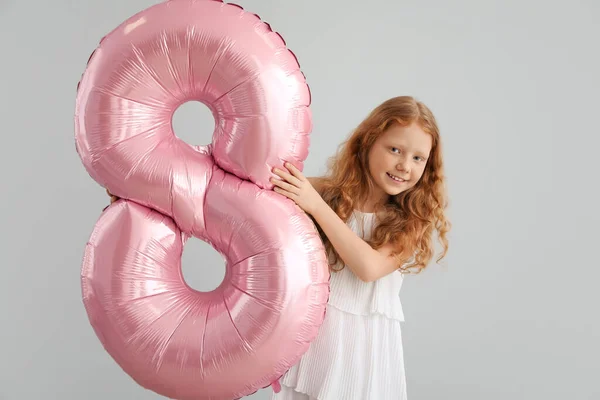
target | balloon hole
x=194, y=123
x=202, y=267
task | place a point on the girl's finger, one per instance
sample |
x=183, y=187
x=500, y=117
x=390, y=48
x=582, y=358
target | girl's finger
x=285, y=186
x=295, y=171
x=287, y=194
x=288, y=177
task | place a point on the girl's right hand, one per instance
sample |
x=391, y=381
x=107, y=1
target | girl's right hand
x=113, y=198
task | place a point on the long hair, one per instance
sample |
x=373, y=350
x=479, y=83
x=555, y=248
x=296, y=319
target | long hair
x=409, y=219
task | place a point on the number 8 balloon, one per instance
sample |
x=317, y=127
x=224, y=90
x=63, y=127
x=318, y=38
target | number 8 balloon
x=171, y=339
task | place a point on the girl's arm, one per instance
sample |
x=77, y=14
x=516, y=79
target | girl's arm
x=365, y=262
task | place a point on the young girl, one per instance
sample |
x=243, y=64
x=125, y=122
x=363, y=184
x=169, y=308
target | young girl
x=376, y=210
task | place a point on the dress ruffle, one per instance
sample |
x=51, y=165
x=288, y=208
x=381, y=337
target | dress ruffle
x=353, y=358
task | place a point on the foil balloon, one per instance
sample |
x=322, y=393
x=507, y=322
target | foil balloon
x=178, y=342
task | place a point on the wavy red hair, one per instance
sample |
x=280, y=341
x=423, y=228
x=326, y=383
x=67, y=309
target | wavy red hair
x=409, y=219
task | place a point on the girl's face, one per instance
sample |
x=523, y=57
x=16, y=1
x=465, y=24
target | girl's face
x=398, y=158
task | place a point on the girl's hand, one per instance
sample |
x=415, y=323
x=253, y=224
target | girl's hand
x=295, y=186
x=113, y=198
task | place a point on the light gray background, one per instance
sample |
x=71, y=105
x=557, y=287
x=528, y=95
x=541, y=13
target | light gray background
x=512, y=313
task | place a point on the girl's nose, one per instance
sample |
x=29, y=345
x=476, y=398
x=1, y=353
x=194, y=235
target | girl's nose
x=402, y=166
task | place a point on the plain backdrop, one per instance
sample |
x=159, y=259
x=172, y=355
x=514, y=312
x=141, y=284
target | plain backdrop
x=512, y=312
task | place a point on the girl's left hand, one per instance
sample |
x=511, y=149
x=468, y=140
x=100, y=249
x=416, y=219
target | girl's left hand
x=295, y=186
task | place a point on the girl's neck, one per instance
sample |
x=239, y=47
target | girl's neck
x=366, y=210
x=371, y=207
x=373, y=203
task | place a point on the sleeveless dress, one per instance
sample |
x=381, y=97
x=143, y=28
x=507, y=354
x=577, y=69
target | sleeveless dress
x=358, y=352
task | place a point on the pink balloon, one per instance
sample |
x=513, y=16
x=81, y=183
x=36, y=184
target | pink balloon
x=169, y=338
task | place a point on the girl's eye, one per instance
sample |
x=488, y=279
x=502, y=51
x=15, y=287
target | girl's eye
x=395, y=150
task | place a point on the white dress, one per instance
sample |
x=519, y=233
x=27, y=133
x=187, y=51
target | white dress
x=358, y=353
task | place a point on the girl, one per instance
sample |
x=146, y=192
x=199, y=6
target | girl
x=376, y=211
